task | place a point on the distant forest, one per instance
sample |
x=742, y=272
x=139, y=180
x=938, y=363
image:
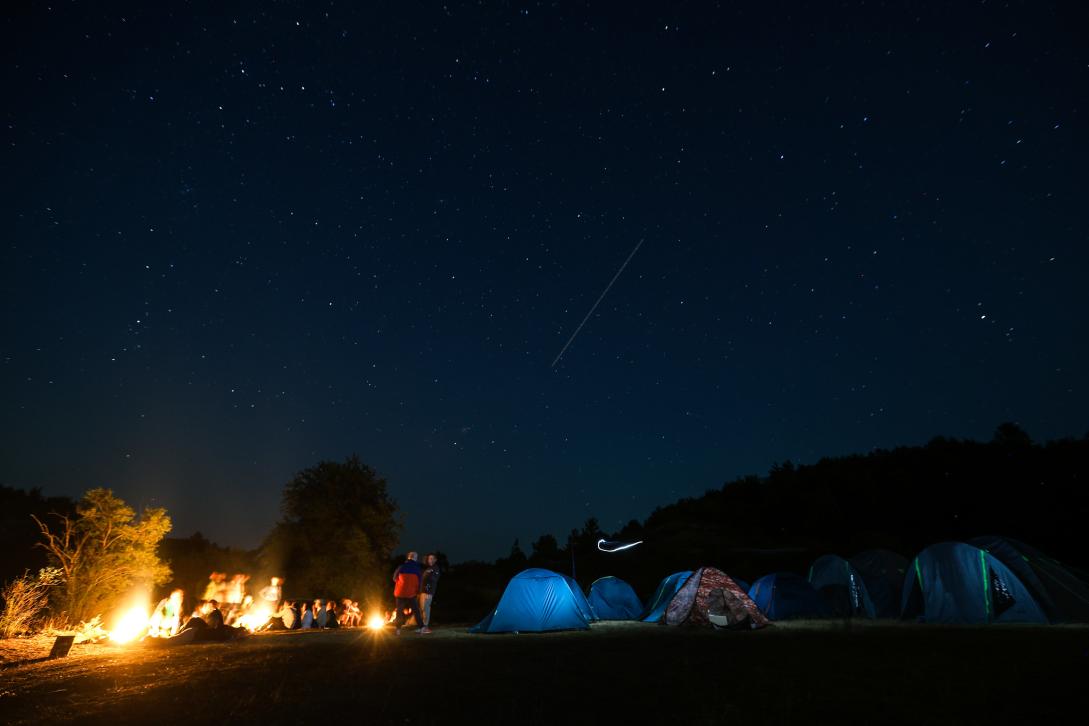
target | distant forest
x=901, y=499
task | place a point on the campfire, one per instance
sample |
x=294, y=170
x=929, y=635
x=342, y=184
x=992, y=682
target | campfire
x=132, y=625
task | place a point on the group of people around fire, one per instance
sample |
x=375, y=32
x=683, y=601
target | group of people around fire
x=226, y=611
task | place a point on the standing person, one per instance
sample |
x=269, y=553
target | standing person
x=406, y=586
x=270, y=594
x=427, y=591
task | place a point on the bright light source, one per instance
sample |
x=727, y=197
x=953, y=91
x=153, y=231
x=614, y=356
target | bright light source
x=132, y=625
x=376, y=621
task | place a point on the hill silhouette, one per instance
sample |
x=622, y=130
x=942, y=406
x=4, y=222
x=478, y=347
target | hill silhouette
x=901, y=499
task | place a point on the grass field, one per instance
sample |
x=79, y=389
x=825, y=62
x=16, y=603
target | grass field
x=615, y=674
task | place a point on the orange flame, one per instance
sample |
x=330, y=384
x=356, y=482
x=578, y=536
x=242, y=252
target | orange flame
x=131, y=626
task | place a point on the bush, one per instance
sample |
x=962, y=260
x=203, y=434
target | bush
x=25, y=599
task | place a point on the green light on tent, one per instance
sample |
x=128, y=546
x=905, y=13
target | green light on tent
x=918, y=573
x=986, y=586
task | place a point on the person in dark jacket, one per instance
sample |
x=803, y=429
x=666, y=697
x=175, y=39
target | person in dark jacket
x=406, y=586
x=213, y=618
x=427, y=591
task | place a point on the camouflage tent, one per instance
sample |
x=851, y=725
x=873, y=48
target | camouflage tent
x=711, y=597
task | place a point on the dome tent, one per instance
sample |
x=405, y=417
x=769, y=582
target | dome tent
x=954, y=582
x=1060, y=592
x=842, y=587
x=536, y=601
x=883, y=572
x=611, y=598
x=710, y=597
x=665, y=591
x=784, y=595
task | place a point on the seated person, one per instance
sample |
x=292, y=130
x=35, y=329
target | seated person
x=307, y=617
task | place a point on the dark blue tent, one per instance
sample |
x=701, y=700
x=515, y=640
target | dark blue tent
x=536, y=601
x=842, y=587
x=1060, y=592
x=953, y=582
x=580, y=601
x=613, y=599
x=784, y=595
x=883, y=572
x=667, y=588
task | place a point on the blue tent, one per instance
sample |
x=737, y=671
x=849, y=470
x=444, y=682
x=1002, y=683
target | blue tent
x=613, y=599
x=580, y=601
x=842, y=587
x=784, y=595
x=1056, y=588
x=953, y=582
x=883, y=573
x=667, y=588
x=535, y=601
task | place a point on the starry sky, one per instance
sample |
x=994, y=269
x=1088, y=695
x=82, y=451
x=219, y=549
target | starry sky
x=241, y=238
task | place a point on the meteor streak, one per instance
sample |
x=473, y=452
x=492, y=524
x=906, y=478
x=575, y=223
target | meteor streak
x=600, y=298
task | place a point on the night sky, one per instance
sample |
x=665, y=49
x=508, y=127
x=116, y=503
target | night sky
x=239, y=241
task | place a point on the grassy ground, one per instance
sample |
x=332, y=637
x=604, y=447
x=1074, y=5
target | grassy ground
x=615, y=674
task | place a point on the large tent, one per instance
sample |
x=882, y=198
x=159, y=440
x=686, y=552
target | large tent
x=842, y=587
x=883, y=572
x=613, y=599
x=784, y=595
x=954, y=582
x=535, y=601
x=667, y=588
x=710, y=597
x=1063, y=596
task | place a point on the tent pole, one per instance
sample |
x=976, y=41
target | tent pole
x=571, y=546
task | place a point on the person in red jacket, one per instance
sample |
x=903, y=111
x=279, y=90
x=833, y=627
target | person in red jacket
x=406, y=586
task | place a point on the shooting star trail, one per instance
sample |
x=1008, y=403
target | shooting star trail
x=599, y=299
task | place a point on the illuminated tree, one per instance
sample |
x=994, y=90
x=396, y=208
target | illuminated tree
x=103, y=553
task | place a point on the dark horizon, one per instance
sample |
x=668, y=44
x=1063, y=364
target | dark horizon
x=241, y=241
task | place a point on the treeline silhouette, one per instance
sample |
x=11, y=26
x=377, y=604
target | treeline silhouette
x=901, y=499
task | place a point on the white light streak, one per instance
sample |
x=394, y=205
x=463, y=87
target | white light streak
x=614, y=547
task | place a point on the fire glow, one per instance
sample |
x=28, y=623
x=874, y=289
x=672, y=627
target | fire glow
x=255, y=618
x=131, y=626
x=376, y=622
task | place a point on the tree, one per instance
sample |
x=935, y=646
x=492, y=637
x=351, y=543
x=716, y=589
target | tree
x=19, y=535
x=546, y=549
x=1011, y=435
x=338, y=530
x=193, y=558
x=104, y=552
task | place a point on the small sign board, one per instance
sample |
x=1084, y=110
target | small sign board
x=62, y=645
